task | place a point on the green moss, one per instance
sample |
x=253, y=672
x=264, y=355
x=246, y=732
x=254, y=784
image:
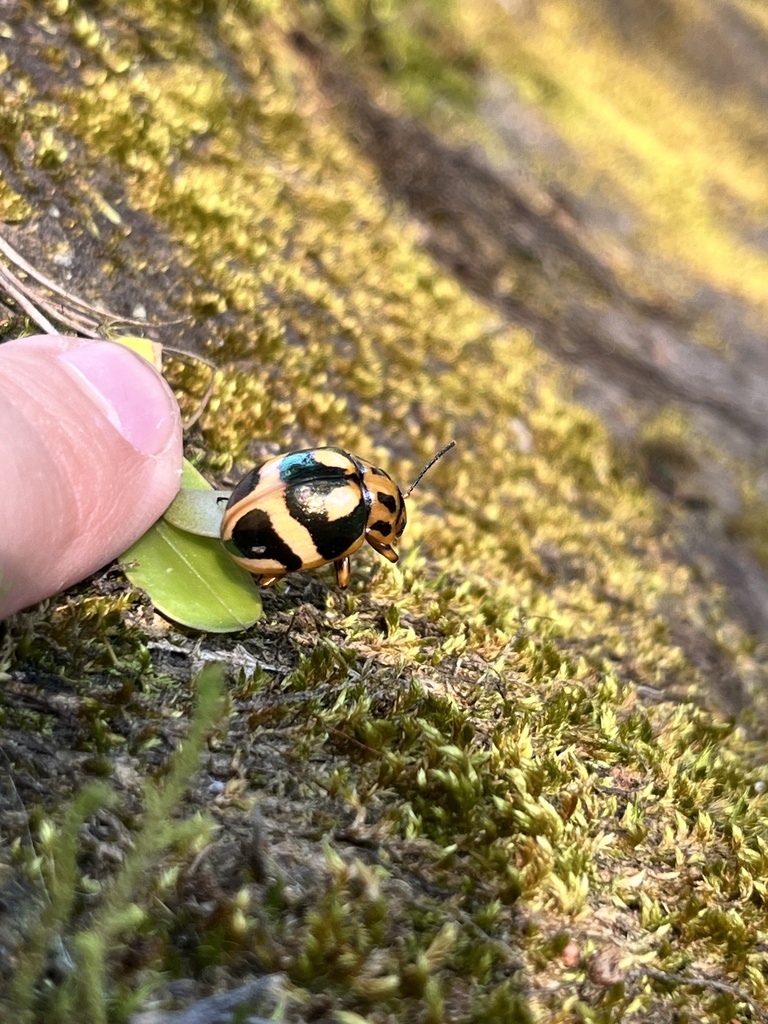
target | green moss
x=751, y=525
x=427, y=781
x=117, y=912
x=645, y=132
x=415, y=46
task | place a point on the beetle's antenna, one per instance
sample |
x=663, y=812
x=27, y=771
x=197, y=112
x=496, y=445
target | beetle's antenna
x=429, y=465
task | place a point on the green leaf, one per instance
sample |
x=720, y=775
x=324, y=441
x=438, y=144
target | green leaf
x=192, y=579
x=197, y=511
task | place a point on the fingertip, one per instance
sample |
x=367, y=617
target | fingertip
x=133, y=397
x=90, y=457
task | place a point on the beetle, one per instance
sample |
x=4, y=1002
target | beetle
x=306, y=508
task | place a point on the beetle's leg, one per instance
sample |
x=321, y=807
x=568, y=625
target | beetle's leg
x=342, y=572
x=384, y=549
x=267, y=581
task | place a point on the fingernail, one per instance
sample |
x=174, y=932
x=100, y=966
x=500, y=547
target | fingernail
x=135, y=399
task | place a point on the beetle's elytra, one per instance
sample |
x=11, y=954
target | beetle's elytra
x=304, y=509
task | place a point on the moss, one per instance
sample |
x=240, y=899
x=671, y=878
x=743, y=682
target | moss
x=422, y=785
x=689, y=177
x=118, y=913
x=415, y=46
x=750, y=525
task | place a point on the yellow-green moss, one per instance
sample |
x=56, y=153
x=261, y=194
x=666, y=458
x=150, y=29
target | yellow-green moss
x=683, y=157
x=480, y=718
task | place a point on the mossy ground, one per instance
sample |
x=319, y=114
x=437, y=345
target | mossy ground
x=480, y=785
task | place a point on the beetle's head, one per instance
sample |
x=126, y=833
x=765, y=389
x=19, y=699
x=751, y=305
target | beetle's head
x=387, y=517
x=386, y=510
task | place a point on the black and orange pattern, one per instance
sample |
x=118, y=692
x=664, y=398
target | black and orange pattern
x=307, y=508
